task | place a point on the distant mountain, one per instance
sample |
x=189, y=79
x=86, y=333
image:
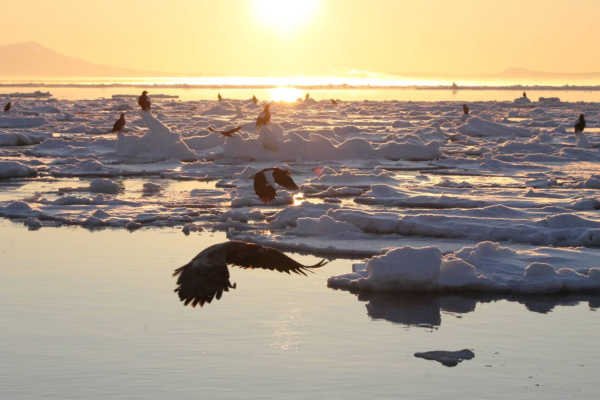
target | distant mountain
x=31, y=59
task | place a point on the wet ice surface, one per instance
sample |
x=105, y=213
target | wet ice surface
x=374, y=176
x=92, y=314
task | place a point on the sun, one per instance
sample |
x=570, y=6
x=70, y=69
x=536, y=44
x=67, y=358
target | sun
x=284, y=15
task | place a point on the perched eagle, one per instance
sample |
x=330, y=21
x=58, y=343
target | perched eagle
x=264, y=117
x=144, y=101
x=119, y=124
x=580, y=124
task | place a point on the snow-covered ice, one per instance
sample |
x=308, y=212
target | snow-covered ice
x=503, y=200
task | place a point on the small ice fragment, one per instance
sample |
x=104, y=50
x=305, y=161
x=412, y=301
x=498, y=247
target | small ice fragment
x=447, y=358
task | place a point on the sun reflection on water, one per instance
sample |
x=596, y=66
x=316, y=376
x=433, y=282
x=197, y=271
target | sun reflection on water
x=298, y=199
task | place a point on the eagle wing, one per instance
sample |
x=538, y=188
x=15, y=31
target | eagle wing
x=225, y=133
x=200, y=283
x=251, y=255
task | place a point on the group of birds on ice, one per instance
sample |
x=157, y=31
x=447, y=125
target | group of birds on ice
x=206, y=276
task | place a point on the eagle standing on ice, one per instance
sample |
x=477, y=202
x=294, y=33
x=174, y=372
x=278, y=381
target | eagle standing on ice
x=119, y=124
x=144, y=101
x=264, y=117
x=580, y=124
x=207, y=276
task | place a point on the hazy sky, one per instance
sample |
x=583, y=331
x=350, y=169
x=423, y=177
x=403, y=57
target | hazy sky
x=318, y=37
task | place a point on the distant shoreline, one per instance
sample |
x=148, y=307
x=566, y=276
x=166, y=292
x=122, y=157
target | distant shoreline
x=311, y=87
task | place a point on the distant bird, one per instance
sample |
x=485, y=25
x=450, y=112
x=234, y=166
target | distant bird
x=264, y=117
x=219, y=97
x=524, y=94
x=7, y=107
x=580, y=124
x=119, y=124
x=254, y=99
x=265, y=180
x=144, y=101
x=206, y=277
x=227, y=133
x=465, y=109
x=334, y=102
x=307, y=97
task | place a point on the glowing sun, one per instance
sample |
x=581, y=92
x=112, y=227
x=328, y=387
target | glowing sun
x=284, y=14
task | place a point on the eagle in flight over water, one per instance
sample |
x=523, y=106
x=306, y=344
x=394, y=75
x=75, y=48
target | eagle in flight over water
x=206, y=277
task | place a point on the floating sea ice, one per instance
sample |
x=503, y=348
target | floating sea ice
x=480, y=127
x=447, y=358
x=103, y=185
x=15, y=169
x=486, y=267
x=158, y=143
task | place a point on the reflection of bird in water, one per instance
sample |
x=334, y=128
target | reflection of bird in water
x=264, y=117
x=227, y=133
x=207, y=276
x=119, y=124
x=144, y=101
x=219, y=97
x=254, y=99
x=580, y=124
x=465, y=109
x=265, y=180
x=7, y=107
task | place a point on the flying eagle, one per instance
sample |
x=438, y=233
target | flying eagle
x=265, y=180
x=207, y=276
x=227, y=133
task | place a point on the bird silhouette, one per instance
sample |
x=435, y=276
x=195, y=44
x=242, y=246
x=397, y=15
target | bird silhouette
x=227, y=133
x=580, y=124
x=465, y=109
x=7, y=107
x=144, y=101
x=119, y=124
x=206, y=276
x=264, y=117
x=265, y=180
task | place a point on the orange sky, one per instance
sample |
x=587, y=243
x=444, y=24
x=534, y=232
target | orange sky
x=238, y=37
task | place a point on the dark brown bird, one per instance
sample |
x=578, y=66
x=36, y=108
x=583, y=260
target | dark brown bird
x=264, y=117
x=227, y=133
x=119, y=124
x=334, y=102
x=254, y=99
x=580, y=124
x=7, y=107
x=307, y=97
x=265, y=180
x=219, y=97
x=465, y=109
x=144, y=101
x=206, y=277
x=524, y=94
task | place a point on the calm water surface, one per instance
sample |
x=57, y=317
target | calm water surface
x=92, y=315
